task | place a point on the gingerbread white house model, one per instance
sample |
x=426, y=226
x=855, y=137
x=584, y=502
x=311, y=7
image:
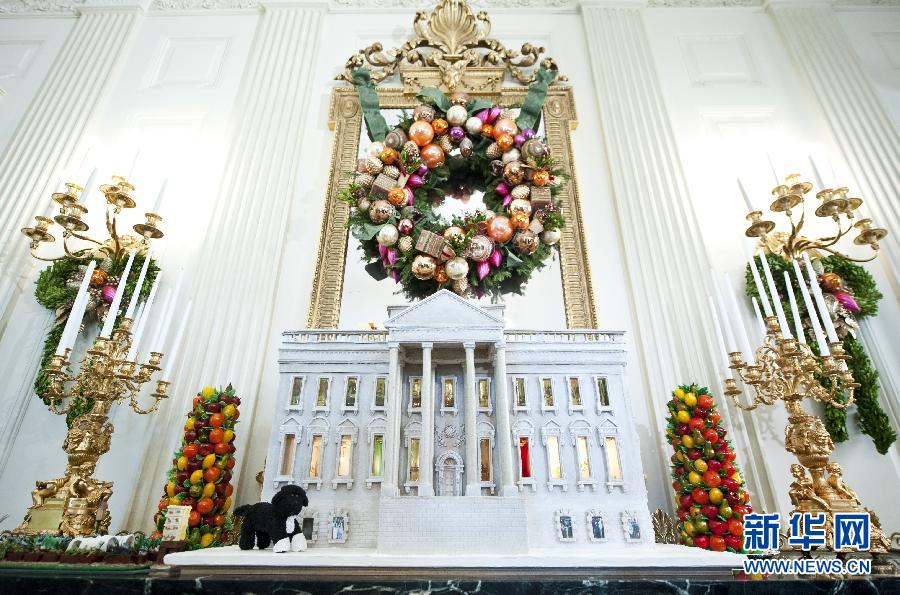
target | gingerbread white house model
x=448, y=430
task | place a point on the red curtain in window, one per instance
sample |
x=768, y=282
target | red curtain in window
x=524, y=457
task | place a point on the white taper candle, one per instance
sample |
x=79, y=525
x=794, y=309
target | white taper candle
x=145, y=316
x=776, y=299
x=88, y=186
x=795, y=313
x=811, y=310
x=772, y=167
x=760, y=289
x=132, y=303
x=74, y=321
x=820, y=300
x=117, y=300
x=159, y=197
x=738, y=318
x=720, y=341
x=759, y=318
x=744, y=195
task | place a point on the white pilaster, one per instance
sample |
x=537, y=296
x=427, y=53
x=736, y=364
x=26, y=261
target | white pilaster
x=663, y=242
x=51, y=130
x=245, y=234
x=504, y=431
x=426, y=448
x=389, y=485
x=473, y=487
x=863, y=131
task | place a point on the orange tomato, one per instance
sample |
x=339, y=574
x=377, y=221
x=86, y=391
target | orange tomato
x=229, y=489
x=219, y=520
x=216, y=436
x=216, y=420
x=204, y=505
x=211, y=474
x=190, y=451
x=163, y=503
x=194, y=518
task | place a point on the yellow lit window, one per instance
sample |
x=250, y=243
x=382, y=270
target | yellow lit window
x=548, y=392
x=322, y=394
x=377, y=455
x=315, y=456
x=613, y=464
x=584, y=461
x=449, y=394
x=345, y=456
x=484, y=393
x=414, y=459
x=296, y=391
x=380, y=391
x=287, y=454
x=350, y=396
x=520, y=392
x=553, y=457
x=574, y=392
x=485, y=451
x=416, y=392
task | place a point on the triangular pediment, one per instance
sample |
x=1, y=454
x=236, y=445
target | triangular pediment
x=444, y=309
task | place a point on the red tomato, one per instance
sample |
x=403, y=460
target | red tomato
x=229, y=489
x=216, y=420
x=711, y=436
x=163, y=503
x=712, y=479
x=700, y=496
x=204, y=505
x=190, y=451
x=715, y=418
x=734, y=542
x=717, y=527
x=717, y=543
x=728, y=455
x=735, y=527
x=230, y=463
x=710, y=511
x=215, y=436
x=194, y=518
x=221, y=449
x=211, y=474
x=704, y=401
x=686, y=500
x=696, y=423
x=702, y=541
x=219, y=520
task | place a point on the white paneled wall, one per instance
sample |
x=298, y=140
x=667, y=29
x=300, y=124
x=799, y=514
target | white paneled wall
x=185, y=88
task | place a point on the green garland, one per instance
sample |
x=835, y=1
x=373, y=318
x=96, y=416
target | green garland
x=52, y=291
x=871, y=418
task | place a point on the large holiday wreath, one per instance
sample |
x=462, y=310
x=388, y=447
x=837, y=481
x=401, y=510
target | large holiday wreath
x=453, y=146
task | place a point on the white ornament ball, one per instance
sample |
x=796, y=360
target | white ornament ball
x=511, y=155
x=457, y=115
x=550, y=236
x=388, y=235
x=457, y=268
x=375, y=149
x=473, y=125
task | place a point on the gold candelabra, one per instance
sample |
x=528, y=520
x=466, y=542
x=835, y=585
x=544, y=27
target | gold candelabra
x=118, y=196
x=834, y=204
x=77, y=504
x=787, y=370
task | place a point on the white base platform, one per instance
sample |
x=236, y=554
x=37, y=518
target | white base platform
x=641, y=561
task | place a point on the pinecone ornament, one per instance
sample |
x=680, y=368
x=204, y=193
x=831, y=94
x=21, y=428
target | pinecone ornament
x=365, y=181
x=508, y=114
x=374, y=165
x=521, y=191
x=460, y=286
x=405, y=244
x=391, y=171
x=493, y=151
x=411, y=149
x=445, y=143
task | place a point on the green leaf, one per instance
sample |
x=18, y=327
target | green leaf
x=435, y=97
x=366, y=231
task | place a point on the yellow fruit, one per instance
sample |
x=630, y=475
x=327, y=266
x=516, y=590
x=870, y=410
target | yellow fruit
x=715, y=495
x=680, y=456
x=690, y=399
x=679, y=394
x=170, y=489
x=182, y=463
x=683, y=417
x=737, y=477
x=206, y=540
x=700, y=465
x=687, y=441
x=189, y=424
x=196, y=476
x=695, y=478
x=228, y=411
x=689, y=527
x=208, y=490
x=228, y=436
x=207, y=392
x=227, y=504
x=209, y=460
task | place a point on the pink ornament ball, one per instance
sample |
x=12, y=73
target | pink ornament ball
x=483, y=115
x=405, y=226
x=415, y=181
x=494, y=114
x=108, y=293
x=423, y=169
x=457, y=134
x=502, y=189
x=528, y=133
x=519, y=139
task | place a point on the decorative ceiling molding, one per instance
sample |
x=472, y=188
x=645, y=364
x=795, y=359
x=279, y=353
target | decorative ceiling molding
x=702, y=3
x=38, y=6
x=204, y=4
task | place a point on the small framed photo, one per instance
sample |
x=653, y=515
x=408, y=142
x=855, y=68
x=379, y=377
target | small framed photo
x=596, y=523
x=340, y=527
x=565, y=525
x=631, y=527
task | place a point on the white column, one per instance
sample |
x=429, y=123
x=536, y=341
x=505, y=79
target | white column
x=48, y=136
x=863, y=131
x=473, y=471
x=392, y=441
x=504, y=430
x=238, y=275
x=426, y=447
x=677, y=342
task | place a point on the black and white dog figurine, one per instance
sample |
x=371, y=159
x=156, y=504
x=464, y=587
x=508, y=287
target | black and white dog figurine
x=279, y=522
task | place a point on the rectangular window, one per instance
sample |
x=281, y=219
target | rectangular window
x=345, y=456
x=520, y=392
x=322, y=393
x=350, y=396
x=485, y=451
x=296, y=391
x=380, y=391
x=315, y=456
x=449, y=393
x=613, y=464
x=377, y=454
x=413, y=459
x=553, y=458
x=524, y=459
x=287, y=454
x=584, y=461
x=484, y=393
x=602, y=392
x=574, y=392
x=416, y=393
x=547, y=386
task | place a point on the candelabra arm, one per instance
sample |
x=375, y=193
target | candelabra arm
x=85, y=238
x=77, y=253
x=832, y=240
x=842, y=255
x=111, y=228
x=35, y=256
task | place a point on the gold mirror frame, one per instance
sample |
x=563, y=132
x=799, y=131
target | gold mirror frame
x=345, y=119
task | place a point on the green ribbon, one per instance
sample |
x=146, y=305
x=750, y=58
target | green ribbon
x=376, y=126
x=530, y=115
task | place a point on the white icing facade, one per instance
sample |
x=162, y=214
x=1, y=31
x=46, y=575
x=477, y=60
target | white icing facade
x=446, y=428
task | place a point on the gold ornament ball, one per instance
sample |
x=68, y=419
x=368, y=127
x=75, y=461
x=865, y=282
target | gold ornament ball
x=480, y=248
x=540, y=178
x=830, y=281
x=396, y=196
x=421, y=132
x=499, y=229
x=440, y=274
x=389, y=156
x=381, y=211
x=519, y=220
x=364, y=204
x=505, y=142
x=454, y=233
x=473, y=125
x=520, y=205
x=487, y=131
x=459, y=98
x=525, y=241
x=457, y=115
x=551, y=236
x=440, y=126
x=423, y=267
x=99, y=277
x=424, y=113
x=511, y=155
x=432, y=155
x=457, y=267
x=504, y=126
x=514, y=173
